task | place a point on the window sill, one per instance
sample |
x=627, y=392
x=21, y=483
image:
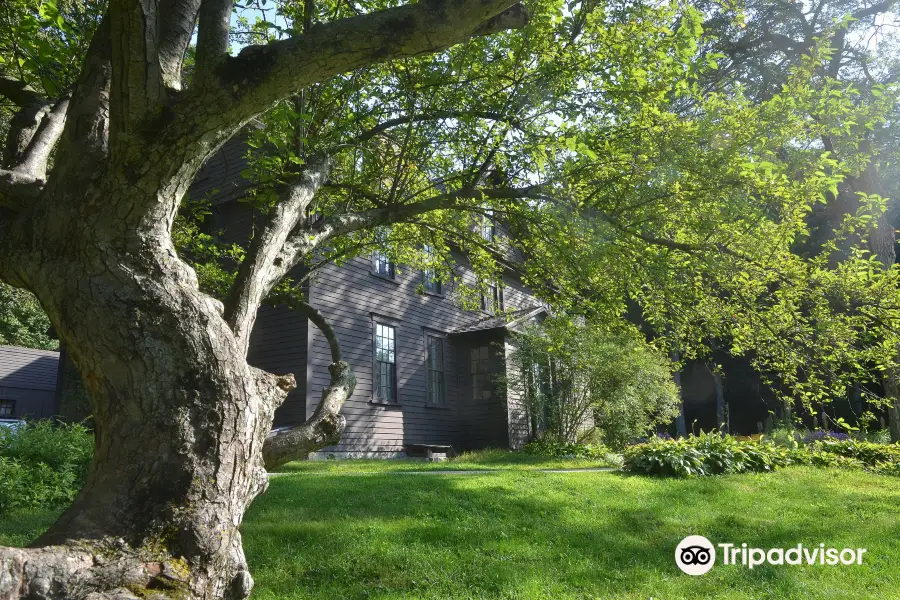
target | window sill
x=437, y=406
x=384, y=277
x=385, y=404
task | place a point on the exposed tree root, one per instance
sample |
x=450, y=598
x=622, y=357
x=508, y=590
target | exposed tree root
x=77, y=573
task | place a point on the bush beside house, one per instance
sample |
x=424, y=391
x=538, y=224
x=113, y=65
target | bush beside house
x=42, y=464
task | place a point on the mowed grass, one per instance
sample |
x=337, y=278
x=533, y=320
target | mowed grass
x=531, y=535
x=480, y=460
x=525, y=535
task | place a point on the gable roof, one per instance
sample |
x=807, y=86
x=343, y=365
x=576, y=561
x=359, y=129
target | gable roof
x=28, y=368
x=508, y=321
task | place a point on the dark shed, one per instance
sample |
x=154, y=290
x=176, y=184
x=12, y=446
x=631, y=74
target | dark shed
x=27, y=382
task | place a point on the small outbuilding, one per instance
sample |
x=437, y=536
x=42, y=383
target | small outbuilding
x=28, y=380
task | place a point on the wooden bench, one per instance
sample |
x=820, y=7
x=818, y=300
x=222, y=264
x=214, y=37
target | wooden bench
x=430, y=452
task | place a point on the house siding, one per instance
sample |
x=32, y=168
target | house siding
x=278, y=345
x=353, y=299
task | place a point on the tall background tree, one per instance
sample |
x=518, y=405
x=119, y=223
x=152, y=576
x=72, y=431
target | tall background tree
x=760, y=43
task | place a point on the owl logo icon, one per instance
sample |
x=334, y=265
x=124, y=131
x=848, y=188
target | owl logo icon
x=695, y=555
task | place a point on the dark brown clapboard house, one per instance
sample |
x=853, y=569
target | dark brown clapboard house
x=426, y=368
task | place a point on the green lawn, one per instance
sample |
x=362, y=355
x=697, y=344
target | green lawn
x=518, y=534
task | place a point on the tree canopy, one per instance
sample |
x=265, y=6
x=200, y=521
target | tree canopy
x=693, y=189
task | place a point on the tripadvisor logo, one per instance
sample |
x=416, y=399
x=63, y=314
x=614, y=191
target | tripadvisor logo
x=696, y=555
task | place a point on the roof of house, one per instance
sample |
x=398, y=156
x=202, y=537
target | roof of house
x=508, y=320
x=28, y=368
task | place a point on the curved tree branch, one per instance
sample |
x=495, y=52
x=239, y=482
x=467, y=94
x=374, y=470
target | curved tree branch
x=279, y=69
x=304, y=241
x=434, y=116
x=260, y=271
x=326, y=424
x=35, y=157
x=18, y=92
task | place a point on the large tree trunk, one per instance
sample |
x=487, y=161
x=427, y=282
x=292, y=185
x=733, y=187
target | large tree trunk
x=882, y=242
x=720, y=402
x=180, y=419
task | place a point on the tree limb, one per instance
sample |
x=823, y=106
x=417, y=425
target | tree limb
x=22, y=127
x=261, y=75
x=178, y=18
x=307, y=240
x=212, y=35
x=19, y=93
x=326, y=424
x=874, y=9
x=348, y=223
x=34, y=159
x=260, y=271
x=434, y=116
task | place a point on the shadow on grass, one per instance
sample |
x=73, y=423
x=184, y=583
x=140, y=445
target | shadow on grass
x=584, y=535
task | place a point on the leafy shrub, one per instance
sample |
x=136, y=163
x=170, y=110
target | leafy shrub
x=712, y=453
x=555, y=449
x=579, y=380
x=60, y=446
x=705, y=454
x=24, y=485
x=879, y=436
x=814, y=457
x=786, y=437
x=42, y=463
x=868, y=453
x=887, y=469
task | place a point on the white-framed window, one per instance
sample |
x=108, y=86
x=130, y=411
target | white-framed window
x=492, y=298
x=488, y=228
x=385, y=362
x=434, y=365
x=382, y=265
